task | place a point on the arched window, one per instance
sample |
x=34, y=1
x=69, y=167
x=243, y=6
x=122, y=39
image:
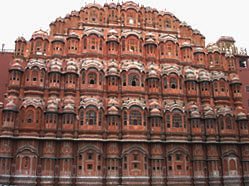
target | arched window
x=177, y=119
x=100, y=44
x=222, y=86
x=123, y=45
x=84, y=43
x=134, y=80
x=93, y=43
x=215, y=86
x=34, y=75
x=173, y=83
x=135, y=117
x=125, y=117
x=25, y=162
x=229, y=122
x=92, y=78
x=81, y=117
x=132, y=45
x=83, y=77
x=100, y=117
x=169, y=49
x=165, y=83
x=168, y=23
x=91, y=117
x=232, y=165
x=221, y=122
x=124, y=79
x=29, y=116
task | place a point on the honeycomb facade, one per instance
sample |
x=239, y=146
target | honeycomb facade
x=123, y=94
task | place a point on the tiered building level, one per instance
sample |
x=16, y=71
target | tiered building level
x=123, y=94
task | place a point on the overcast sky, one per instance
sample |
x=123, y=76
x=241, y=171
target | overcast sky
x=214, y=18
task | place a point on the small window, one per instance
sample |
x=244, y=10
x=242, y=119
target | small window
x=135, y=165
x=247, y=88
x=243, y=64
x=90, y=156
x=169, y=158
x=89, y=166
x=178, y=157
x=179, y=167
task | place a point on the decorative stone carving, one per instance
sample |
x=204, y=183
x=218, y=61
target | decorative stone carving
x=93, y=30
x=129, y=102
x=86, y=101
x=126, y=65
x=40, y=63
x=167, y=69
x=217, y=75
x=92, y=63
x=170, y=105
x=37, y=102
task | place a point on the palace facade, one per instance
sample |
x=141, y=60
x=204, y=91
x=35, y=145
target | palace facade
x=123, y=94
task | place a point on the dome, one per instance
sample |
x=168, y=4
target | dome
x=55, y=66
x=58, y=39
x=52, y=107
x=21, y=39
x=40, y=34
x=152, y=74
x=190, y=74
x=234, y=79
x=186, y=44
x=71, y=67
x=208, y=112
x=16, y=66
x=204, y=75
x=68, y=108
x=150, y=41
x=11, y=106
x=213, y=47
x=112, y=38
x=73, y=35
x=241, y=116
x=155, y=112
x=113, y=110
x=195, y=114
x=68, y=104
x=199, y=50
x=112, y=32
x=112, y=71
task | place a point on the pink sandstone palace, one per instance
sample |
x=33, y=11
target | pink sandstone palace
x=123, y=94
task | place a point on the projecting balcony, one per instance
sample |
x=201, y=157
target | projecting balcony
x=90, y=131
x=138, y=132
x=177, y=134
x=221, y=95
x=237, y=96
x=205, y=94
x=113, y=131
x=70, y=86
x=112, y=88
x=92, y=53
x=171, y=91
x=154, y=90
x=131, y=53
x=129, y=88
x=34, y=88
x=14, y=84
x=54, y=85
x=192, y=93
x=229, y=135
x=91, y=87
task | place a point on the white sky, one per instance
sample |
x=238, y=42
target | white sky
x=214, y=18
